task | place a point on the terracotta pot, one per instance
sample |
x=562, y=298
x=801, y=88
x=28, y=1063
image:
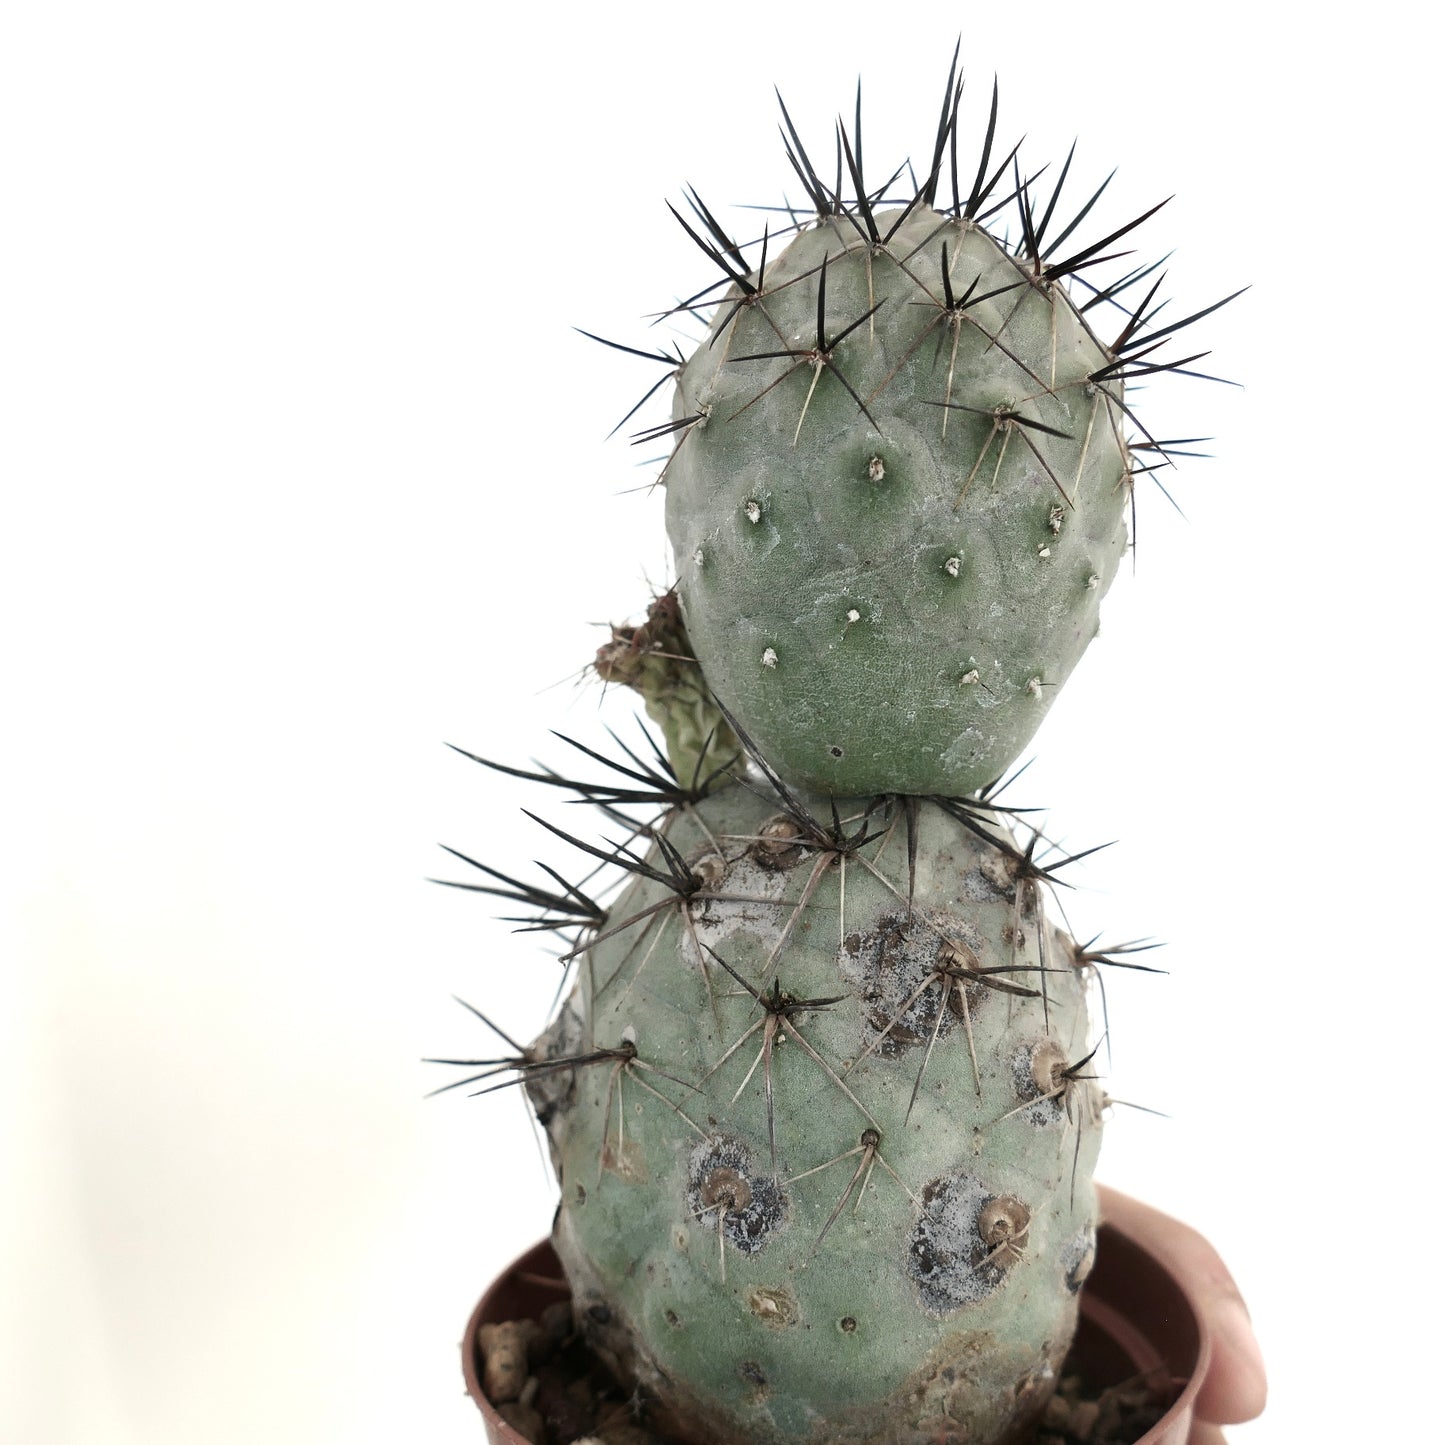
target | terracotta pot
x=1135, y=1318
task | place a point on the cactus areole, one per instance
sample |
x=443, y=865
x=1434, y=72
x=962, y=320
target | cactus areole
x=821, y=1094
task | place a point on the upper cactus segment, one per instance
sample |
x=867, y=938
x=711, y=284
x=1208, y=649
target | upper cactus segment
x=899, y=507
x=901, y=469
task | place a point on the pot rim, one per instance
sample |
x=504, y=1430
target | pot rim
x=1133, y=1275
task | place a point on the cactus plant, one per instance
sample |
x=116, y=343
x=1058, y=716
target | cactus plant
x=823, y=1096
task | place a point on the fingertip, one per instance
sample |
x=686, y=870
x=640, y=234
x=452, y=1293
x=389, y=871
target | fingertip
x=1201, y=1433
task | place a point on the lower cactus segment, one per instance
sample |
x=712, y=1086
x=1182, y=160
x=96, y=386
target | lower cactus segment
x=822, y=1106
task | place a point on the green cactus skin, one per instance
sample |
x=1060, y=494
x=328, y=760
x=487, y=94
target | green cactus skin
x=717, y=1258
x=890, y=598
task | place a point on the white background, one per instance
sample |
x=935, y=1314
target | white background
x=304, y=475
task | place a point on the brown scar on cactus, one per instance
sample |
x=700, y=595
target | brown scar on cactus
x=777, y=1307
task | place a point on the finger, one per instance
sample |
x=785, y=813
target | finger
x=1236, y=1387
x=1203, y=1434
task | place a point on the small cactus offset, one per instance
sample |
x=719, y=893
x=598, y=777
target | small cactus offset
x=822, y=1091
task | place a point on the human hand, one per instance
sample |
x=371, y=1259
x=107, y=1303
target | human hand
x=1234, y=1389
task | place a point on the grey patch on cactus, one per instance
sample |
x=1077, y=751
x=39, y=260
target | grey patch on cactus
x=1079, y=1259
x=950, y=1259
x=723, y=1193
x=889, y=965
x=1002, y=871
x=714, y=924
x=975, y=887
